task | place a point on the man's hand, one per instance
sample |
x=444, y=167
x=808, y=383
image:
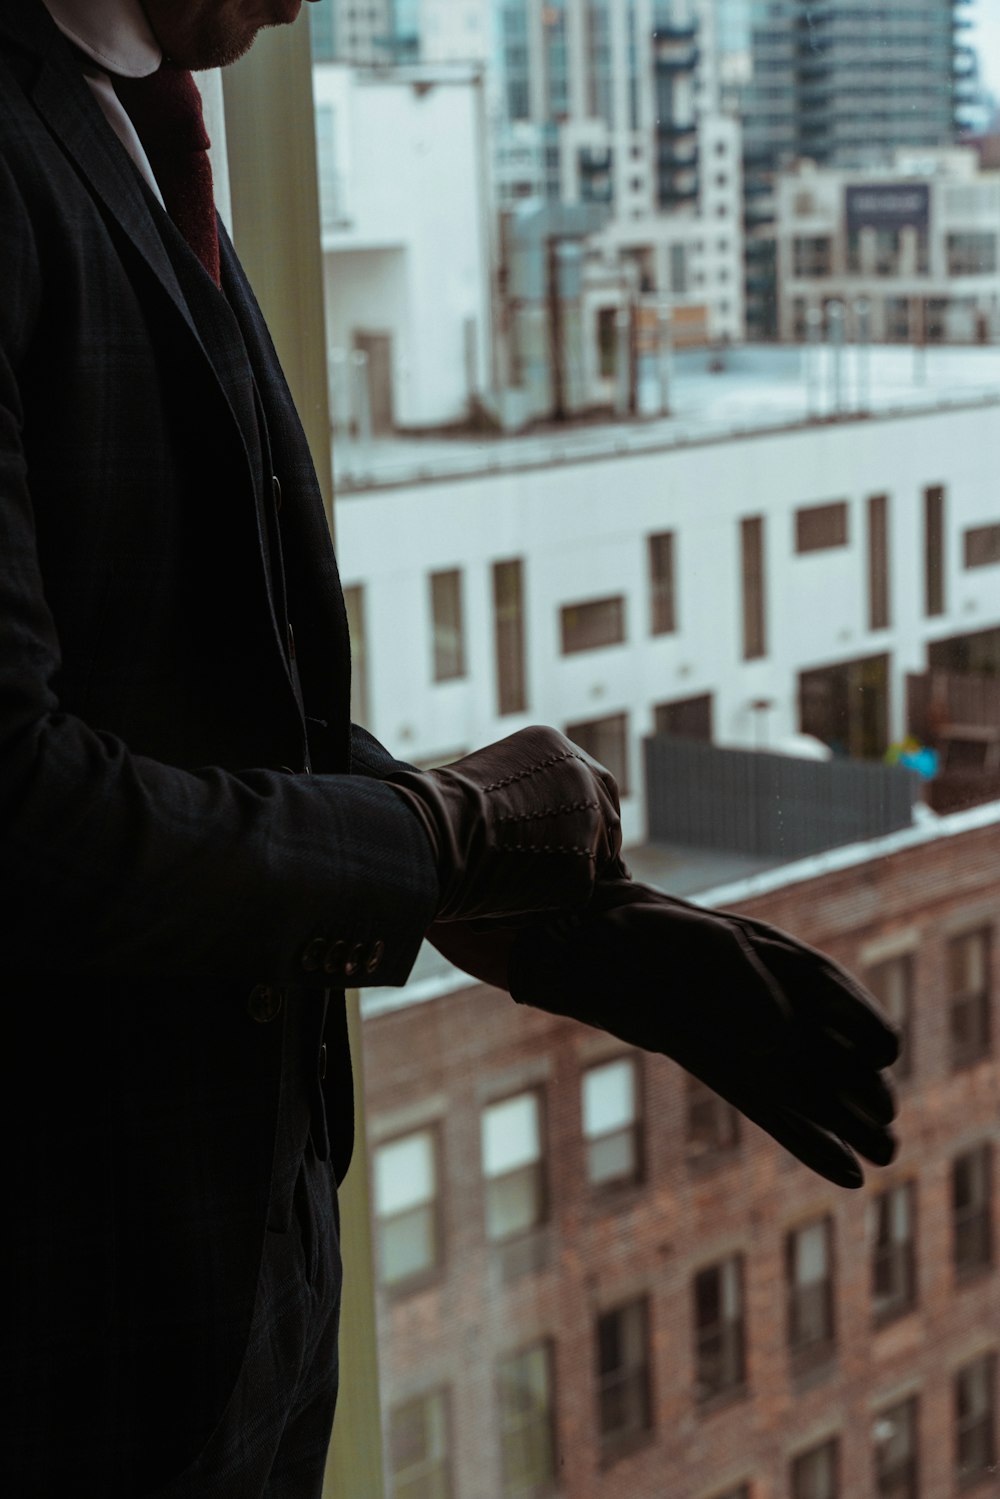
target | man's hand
x=525, y=825
x=777, y=1028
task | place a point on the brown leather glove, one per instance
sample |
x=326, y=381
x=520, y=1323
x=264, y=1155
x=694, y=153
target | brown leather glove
x=525, y=825
x=777, y=1028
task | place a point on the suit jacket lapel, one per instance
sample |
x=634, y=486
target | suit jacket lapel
x=69, y=109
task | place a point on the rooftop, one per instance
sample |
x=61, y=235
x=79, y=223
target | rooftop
x=760, y=389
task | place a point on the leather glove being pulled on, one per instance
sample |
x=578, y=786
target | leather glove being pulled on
x=525, y=825
x=778, y=1029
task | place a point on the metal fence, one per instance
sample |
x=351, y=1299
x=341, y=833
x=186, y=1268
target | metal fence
x=755, y=802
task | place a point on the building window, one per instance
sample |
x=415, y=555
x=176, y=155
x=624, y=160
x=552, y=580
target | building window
x=975, y=1421
x=814, y=1473
x=894, y=1265
x=982, y=546
x=809, y=1274
x=607, y=341
x=512, y=1166
x=406, y=1207
x=819, y=527
x=719, y=1332
x=587, y=626
x=878, y=562
x=754, y=585
x=611, y=1126
x=971, y=1209
x=891, y=982
x=686, y=718
x=354, y=603
x=895, y=1441
x=624, y=1393
x=934, y=550
x=508, y=621
x=418, y=1448
x=527, y=1423
x=812, y=256
x=662, y=584
x=606, y=740
x=679, y=270
x=446, y=617
x=969, y=989
x=713, y=1125
x=971, y=254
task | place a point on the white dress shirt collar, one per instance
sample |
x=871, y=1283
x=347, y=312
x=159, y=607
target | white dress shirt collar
x=113, y=33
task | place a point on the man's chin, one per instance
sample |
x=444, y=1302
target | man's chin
x=215, y=53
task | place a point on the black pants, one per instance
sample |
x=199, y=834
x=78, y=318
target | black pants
x=272, y=1439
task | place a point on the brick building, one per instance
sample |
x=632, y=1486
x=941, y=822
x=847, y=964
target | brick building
x=596, y=1280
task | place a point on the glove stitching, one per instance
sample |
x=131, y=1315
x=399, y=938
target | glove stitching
x=546, y=848
x=551, y=812
x=531, y=770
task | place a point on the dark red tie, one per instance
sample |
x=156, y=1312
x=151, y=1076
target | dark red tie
x=165, y=109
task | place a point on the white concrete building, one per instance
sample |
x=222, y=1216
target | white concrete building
x=739, y=571
x=919, y=242
x=406, y=242
x=597, y=103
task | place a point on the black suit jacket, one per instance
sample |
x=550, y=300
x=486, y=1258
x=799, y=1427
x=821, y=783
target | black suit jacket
x=158, y=861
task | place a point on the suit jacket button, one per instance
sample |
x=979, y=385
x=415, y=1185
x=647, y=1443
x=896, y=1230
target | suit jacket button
x=264, y=1003
x=354, y=961
x=333, y=957
x=375, y=956
x=313, y=954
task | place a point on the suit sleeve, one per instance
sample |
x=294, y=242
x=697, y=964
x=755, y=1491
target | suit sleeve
x=114, y=863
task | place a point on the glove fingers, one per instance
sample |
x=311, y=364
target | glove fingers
x=831, y=998
x=816, y=1147
x=827, y=1067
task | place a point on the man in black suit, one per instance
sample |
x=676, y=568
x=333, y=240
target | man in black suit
x=197, y=850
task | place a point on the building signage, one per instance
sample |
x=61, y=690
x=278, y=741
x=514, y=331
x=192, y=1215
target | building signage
x=888, y=205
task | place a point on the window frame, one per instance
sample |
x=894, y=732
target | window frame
x=899, y=1255
x=618, y=1443
x=797, y=1471
x=661, y=568
x=534, y=1170
x=434, y=1207
x=886, y=1475
x=592, y=631
x=449, y=661
x=804, y=1353
x=730, y=1333
x=635, y=1130
x=967, y=1476
x=548, y=1419
x=978, y=1002
x=439, y=1392
x=976, y=1216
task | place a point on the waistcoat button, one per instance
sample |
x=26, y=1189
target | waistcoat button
x=264, y=1003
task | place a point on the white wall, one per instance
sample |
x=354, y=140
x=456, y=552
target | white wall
x=580, y=528
x=411, y=152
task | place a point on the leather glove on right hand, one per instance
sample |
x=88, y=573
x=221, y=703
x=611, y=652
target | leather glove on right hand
x=778, y=1029
x=525, y=825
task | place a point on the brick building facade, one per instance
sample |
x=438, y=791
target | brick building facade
x=597, y=1281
